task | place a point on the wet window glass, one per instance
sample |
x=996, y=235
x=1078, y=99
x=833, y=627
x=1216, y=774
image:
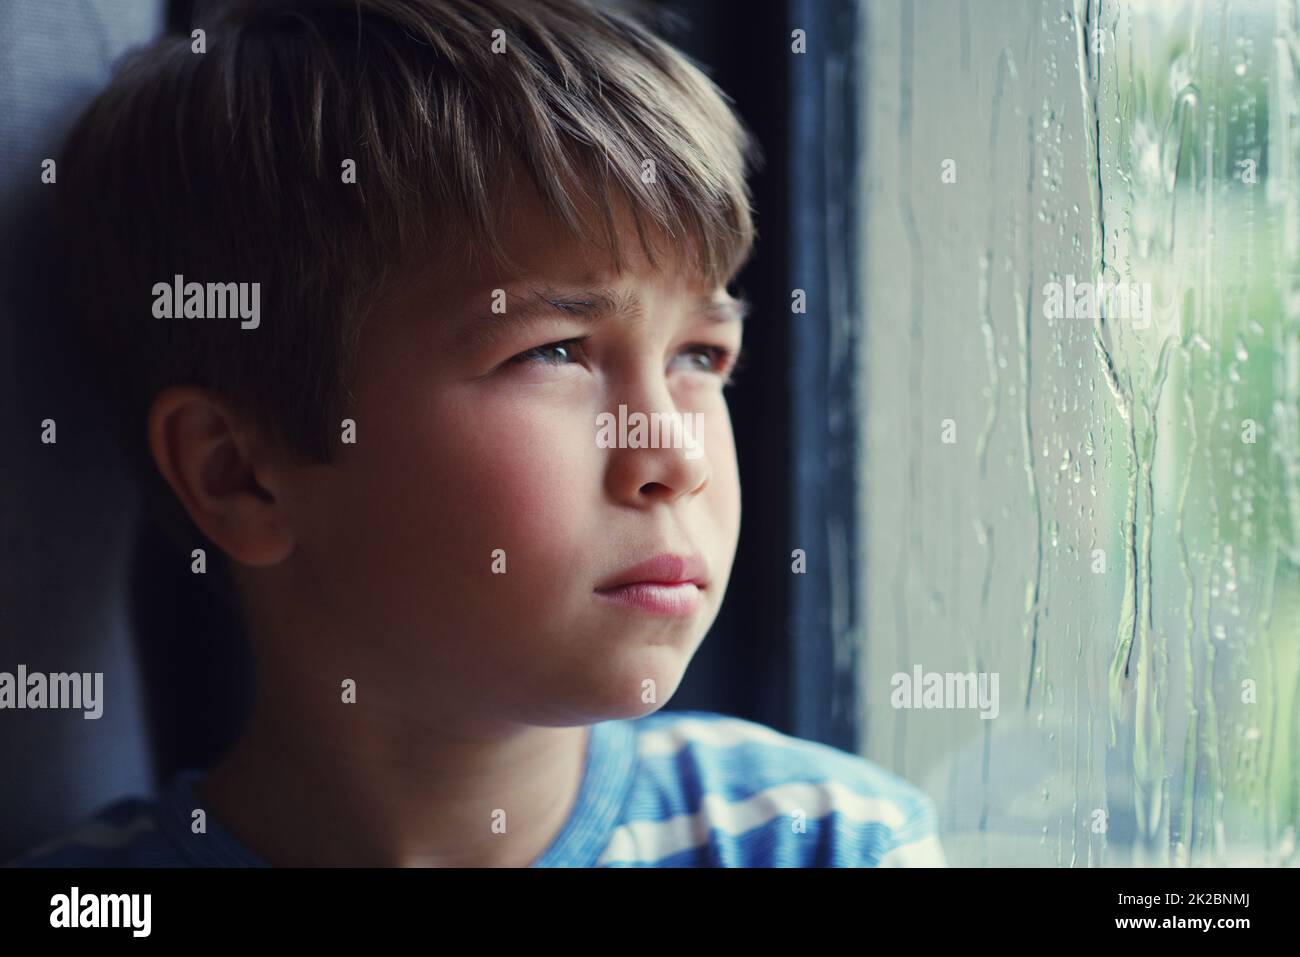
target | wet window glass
x=1079, y=425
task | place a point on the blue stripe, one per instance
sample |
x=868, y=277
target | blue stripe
x=675, y=784
x=829, y=841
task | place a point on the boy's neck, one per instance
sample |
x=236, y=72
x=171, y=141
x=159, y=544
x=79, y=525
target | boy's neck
x=301, y=791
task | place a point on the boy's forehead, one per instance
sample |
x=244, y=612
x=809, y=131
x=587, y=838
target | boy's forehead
x=565, y=269
x=471, y=307
x=546, y=258
x=519, y=305
x=536, y=238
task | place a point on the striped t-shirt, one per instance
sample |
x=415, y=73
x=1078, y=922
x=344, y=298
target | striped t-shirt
x=671, y=789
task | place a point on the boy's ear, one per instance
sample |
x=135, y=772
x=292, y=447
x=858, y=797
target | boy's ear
x=218, y=471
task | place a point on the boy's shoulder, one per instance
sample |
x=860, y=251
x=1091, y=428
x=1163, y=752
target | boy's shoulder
x=133, y=831
x=124, y=833
x=705, y=789
x=715, y=790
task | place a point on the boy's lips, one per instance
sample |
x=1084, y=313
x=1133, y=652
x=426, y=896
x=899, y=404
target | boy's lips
x=668, y=585
x=666, y=569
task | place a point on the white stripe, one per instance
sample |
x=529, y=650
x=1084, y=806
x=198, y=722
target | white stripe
x=647, y=841
x=725, y=733
x=926, y=852
x=98, y=835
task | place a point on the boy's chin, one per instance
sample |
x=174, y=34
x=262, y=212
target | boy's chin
x=630, y=711
x=643, y=692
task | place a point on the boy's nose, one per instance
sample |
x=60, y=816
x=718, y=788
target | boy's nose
x=659, y=455
x=649, y=476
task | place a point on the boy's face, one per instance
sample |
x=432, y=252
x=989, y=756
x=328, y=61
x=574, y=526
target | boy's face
x=476, y=433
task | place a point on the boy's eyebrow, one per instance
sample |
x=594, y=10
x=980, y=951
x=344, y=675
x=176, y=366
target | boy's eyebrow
x=586, y=305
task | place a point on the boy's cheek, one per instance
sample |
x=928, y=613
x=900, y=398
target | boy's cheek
x=485, y=479
x=471, y=478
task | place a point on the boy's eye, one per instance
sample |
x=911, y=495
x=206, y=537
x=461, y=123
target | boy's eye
x=552, y=354
x=706, y=358
x=695, y=358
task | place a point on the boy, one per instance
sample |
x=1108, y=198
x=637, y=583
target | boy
x=463, y=233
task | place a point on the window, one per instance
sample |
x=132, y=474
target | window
x=1079, y=374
